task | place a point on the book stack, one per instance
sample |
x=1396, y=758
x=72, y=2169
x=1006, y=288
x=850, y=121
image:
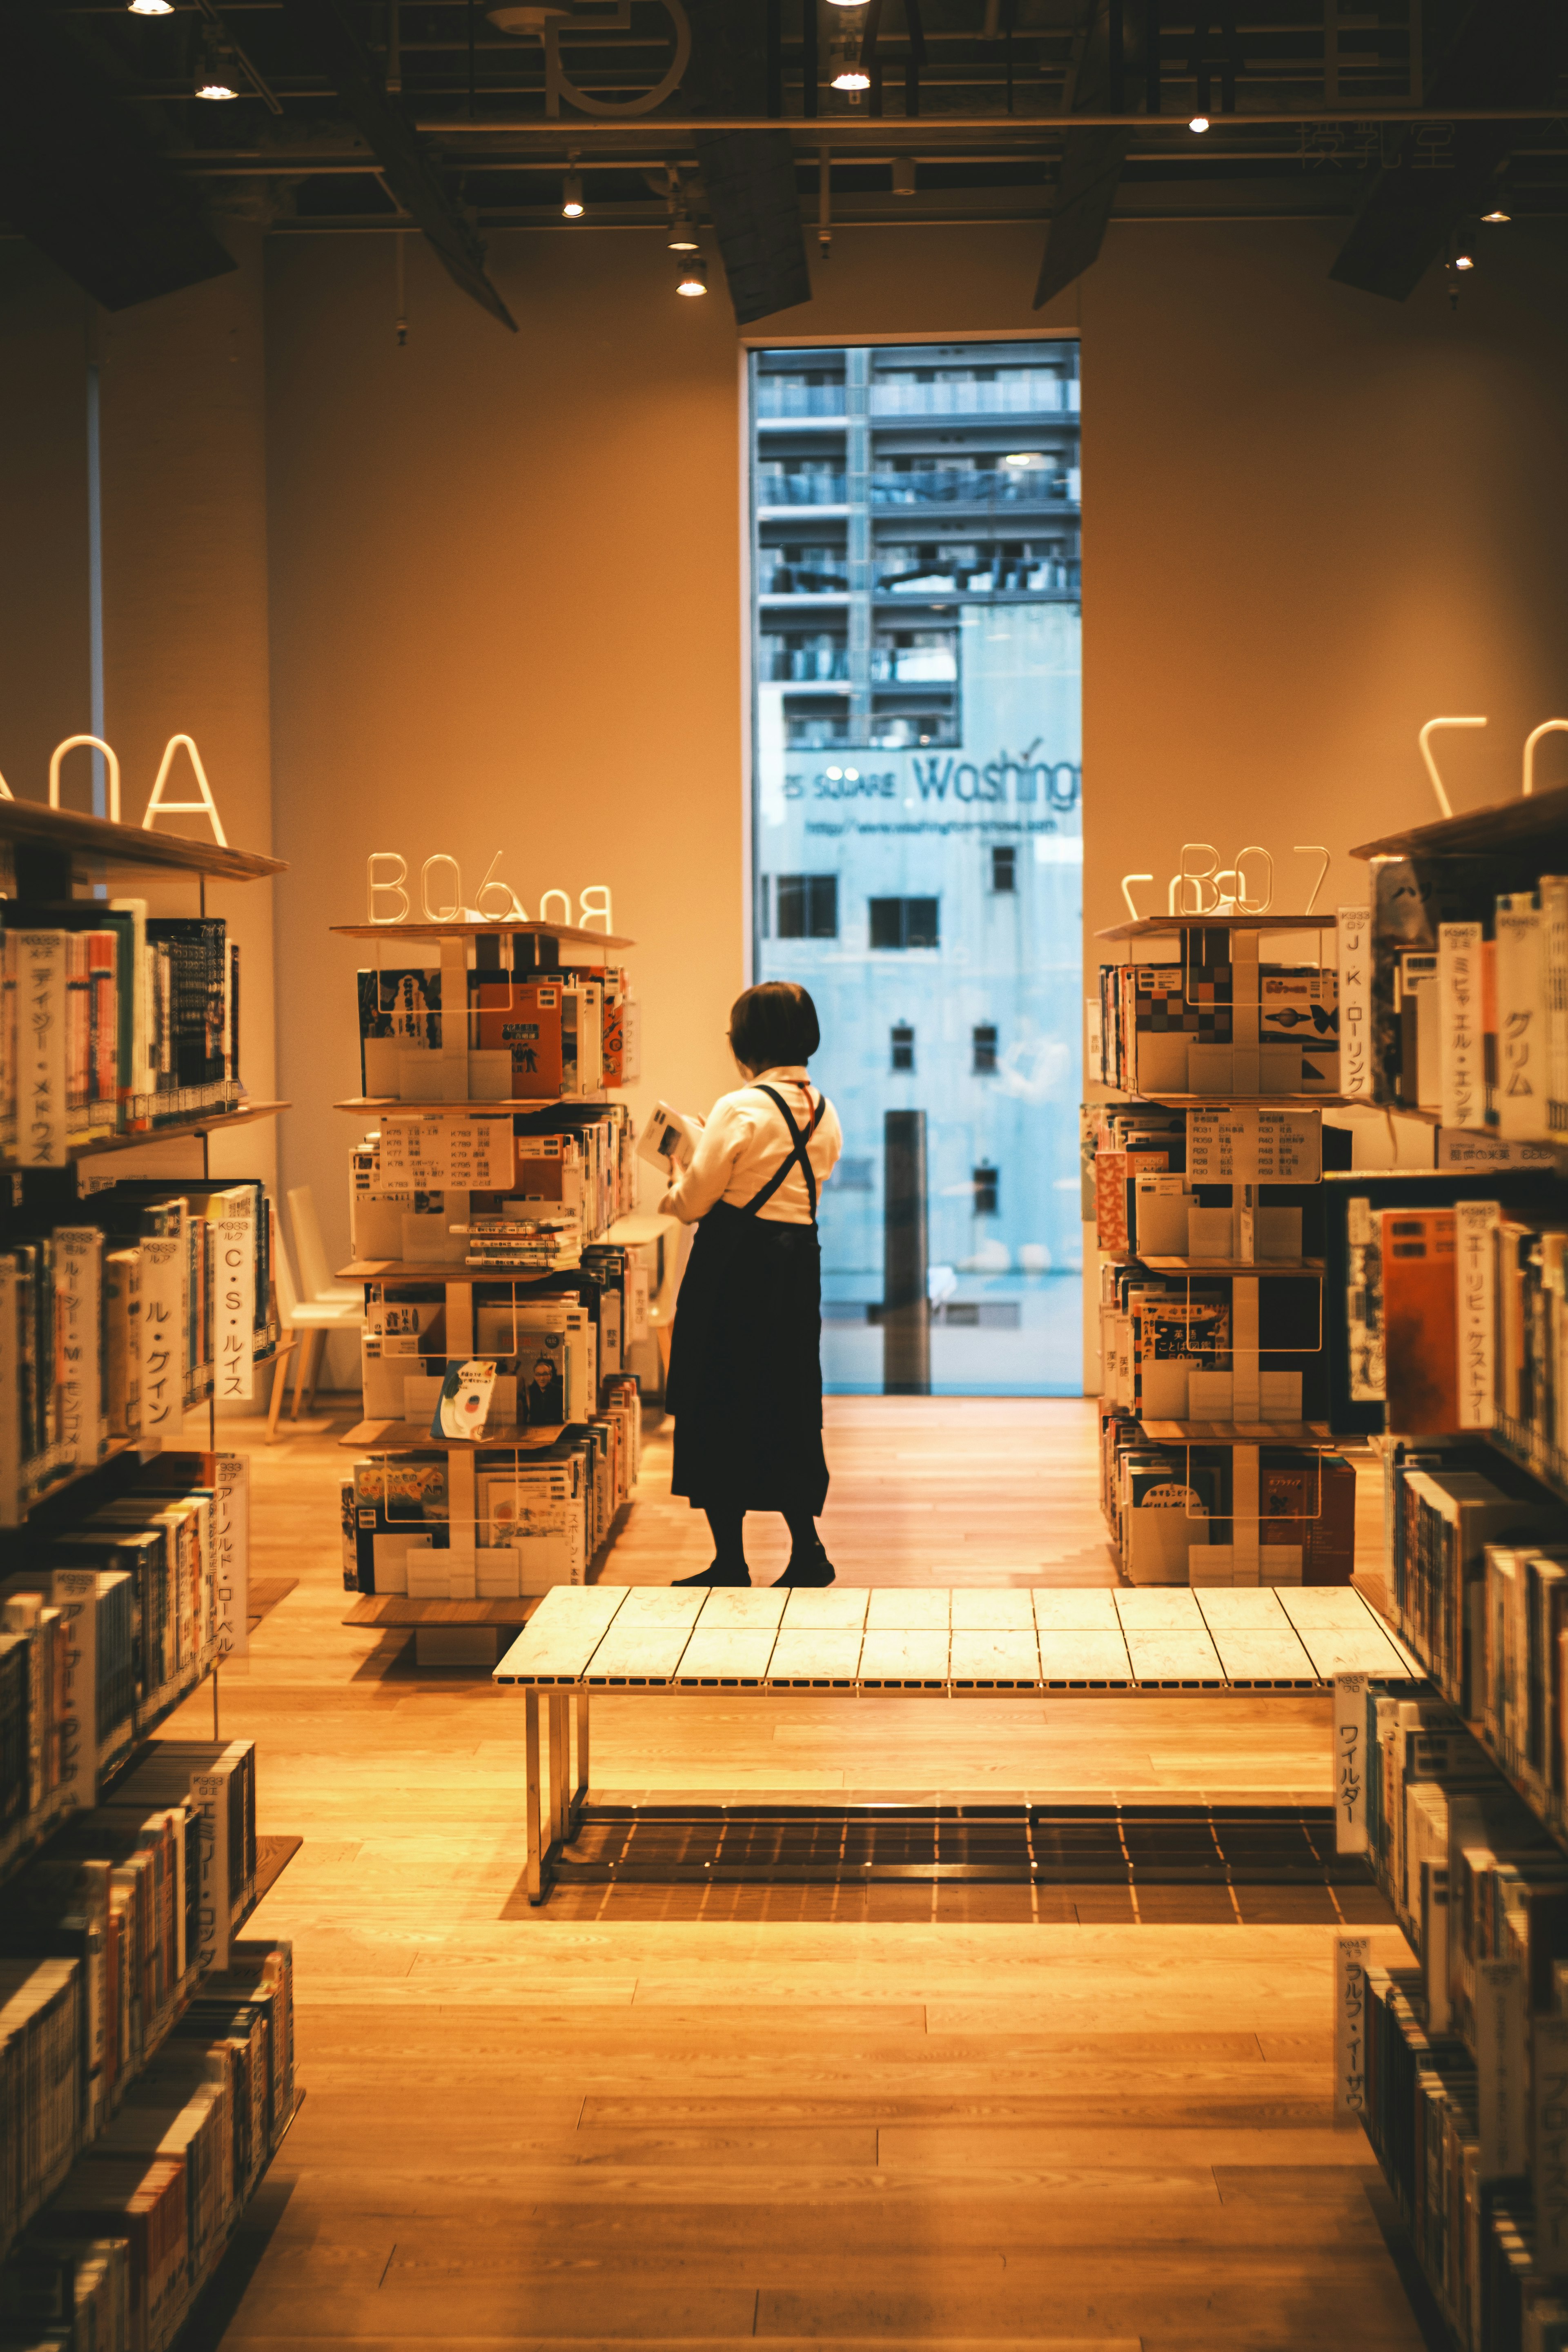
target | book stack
x=552, y=1185
x=1170, y=1027
x=72, y=2297
x=112, y=1024
x=523, y=1035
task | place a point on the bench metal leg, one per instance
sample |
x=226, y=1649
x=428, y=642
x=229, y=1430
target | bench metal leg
x=560, y=1767
x=580, y=1789
x=533, y=1801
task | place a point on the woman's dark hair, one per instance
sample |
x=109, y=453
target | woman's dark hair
x=774, y=1023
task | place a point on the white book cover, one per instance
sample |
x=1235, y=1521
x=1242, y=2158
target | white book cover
x=1463, y=1094
x=1355, y=1000
x=1520, y=1018
x=1475, y=1283
x=1555, y=925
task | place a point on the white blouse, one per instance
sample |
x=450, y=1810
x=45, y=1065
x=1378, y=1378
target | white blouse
x=745, y=1141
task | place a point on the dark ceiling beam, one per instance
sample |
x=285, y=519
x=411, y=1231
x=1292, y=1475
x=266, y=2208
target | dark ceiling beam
x=749, y=180
x=80, y=177
x=326, y=26
x=1504, y=54
x=1091, y=159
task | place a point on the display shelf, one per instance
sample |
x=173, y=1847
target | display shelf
x=1539, y=823
x=1149, y=927
x=568, y=934
x=1219, y=1265
x=215, y=1123
x=1113, y=1095
x=390, y=1107
x=1556, y=1481
x=396, y=1269
x=413, y=1437
x=1236, y=1433
x=113, y=1448
x=94, y=841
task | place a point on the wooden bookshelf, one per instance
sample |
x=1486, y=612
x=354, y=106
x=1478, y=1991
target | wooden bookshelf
x=1237, y=1433
x=1219, y=1265
x=205, y=1123
x=393, y=1269
x=92, y=841
x=413, y=1436
x=567, y=934
x=1539, y=822
x=391, y=1107
x=1150, y=926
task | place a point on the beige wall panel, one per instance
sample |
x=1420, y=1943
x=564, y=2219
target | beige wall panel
x=46, y=690
x=185, y=623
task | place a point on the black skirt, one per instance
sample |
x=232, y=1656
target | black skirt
x=745, y=1367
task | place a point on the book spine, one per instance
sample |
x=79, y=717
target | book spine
x=1522, y=1018
x=1355, y=976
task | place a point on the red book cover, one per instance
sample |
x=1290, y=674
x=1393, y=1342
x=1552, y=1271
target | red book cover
x=525, y=1017
x=1420, y=1321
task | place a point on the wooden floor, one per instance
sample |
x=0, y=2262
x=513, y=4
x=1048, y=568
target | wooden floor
x=670, y=2122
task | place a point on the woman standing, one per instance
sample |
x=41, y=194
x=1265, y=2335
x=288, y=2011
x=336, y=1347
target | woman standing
x=745, y=1363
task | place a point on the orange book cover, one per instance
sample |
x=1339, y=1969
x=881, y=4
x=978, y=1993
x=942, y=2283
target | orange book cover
x=1420, y=1321
x=525, y=1017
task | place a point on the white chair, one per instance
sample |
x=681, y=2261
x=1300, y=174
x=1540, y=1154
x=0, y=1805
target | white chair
x=305, y=1324
x=316, y=1285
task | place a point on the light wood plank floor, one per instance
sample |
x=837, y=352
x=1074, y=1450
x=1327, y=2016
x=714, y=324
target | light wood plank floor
x=556, y=2128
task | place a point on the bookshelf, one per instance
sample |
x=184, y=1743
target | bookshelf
x=1207, y=1156
x=449, y=1075
x=1457, y=1347
x=95, y=1493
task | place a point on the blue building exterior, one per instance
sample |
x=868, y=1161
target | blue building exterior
x=916, y=820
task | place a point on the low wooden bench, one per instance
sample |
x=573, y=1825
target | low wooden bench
x=885, y=1641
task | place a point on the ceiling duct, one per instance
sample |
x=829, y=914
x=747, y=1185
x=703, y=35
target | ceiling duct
x=1505, y=53
x=327, y=30
x=1091, y=160
x=80, y=177
x=747, y=176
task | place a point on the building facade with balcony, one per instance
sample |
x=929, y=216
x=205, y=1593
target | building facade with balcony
x=917, y=818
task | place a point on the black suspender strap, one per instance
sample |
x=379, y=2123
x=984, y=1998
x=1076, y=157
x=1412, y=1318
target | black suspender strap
x=797, y=1153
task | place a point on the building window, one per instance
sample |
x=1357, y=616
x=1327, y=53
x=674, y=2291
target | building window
x=985, y=1050
x=1003, y=871
x=986, y=1179
x=903, y=923
x=903, y=1046
x=807, y=906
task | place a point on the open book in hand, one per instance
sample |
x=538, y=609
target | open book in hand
x=669, y=1134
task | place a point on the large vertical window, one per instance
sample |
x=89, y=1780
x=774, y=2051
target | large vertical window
x=918, y=837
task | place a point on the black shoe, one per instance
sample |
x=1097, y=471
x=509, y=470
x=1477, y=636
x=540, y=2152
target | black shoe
x=720, y=1575
x=806, y=1567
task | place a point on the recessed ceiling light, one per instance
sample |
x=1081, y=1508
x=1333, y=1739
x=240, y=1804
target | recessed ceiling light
x=1199, y=122
x=693, y=278
x=1492, y=218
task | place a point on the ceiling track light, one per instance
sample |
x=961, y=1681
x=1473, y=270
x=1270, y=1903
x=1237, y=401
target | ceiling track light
x=1496, y=217
x=218, y=67
x=682, y=235
x=849, y=73
x=1198, y=122
x=693, y=278
x=571, y=192
x=151, y=7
